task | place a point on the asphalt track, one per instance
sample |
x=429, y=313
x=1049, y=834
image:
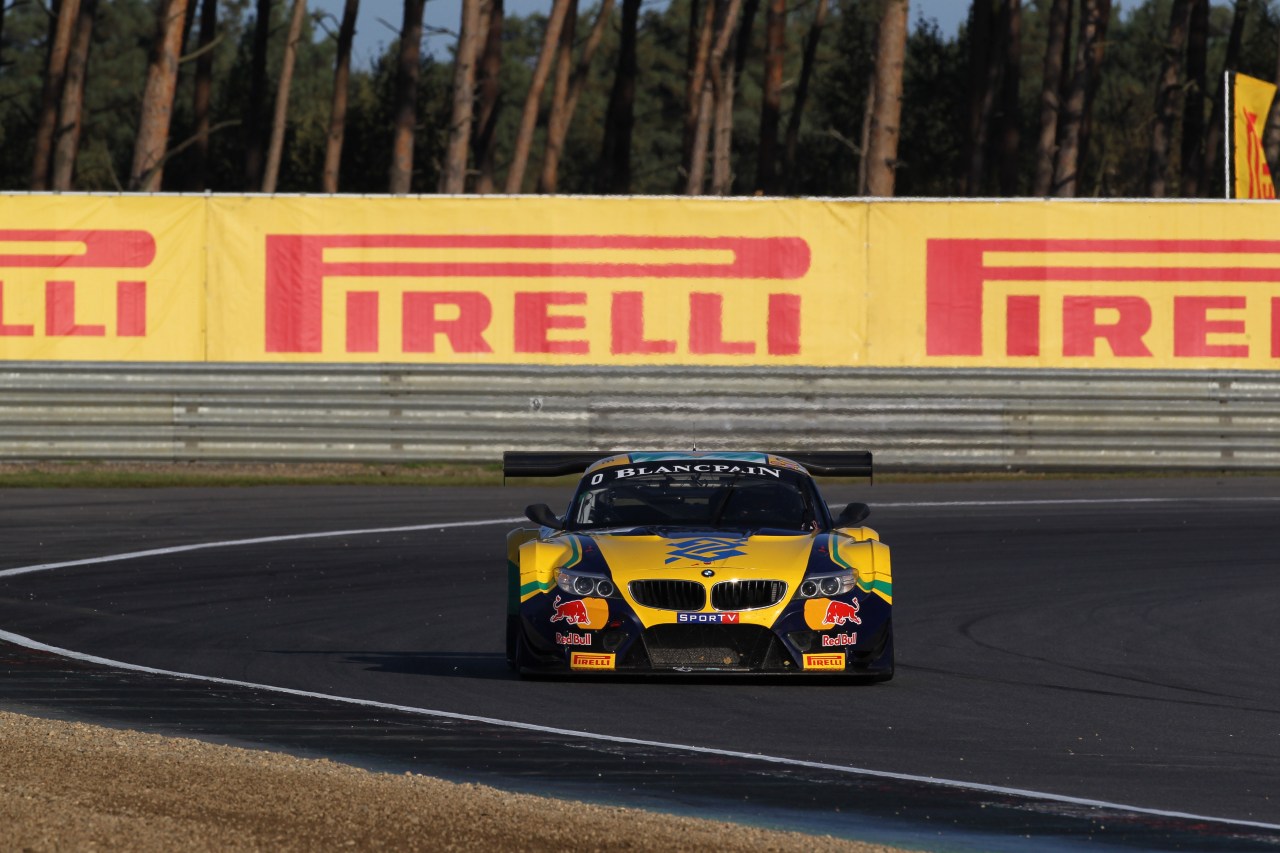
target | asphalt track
x=1110, y=644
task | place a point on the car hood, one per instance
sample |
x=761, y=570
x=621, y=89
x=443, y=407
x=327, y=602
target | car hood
x=679, y=554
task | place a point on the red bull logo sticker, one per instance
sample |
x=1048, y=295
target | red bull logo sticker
x=572, y=639
x=829, y=640
x=594, y=660
x=829, y=661
x=821, y=614
x=709, y=618
x=588, y=613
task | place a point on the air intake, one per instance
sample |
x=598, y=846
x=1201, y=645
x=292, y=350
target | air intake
x=746, y=595
x=669, y=595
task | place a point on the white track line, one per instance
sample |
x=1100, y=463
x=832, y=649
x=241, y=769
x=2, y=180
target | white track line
x=35, y=645
x=261, y=540
x=1070, y=502
x=909, y=505
x=595, y=736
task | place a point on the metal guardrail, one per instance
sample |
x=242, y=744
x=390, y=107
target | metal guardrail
x=913, y=419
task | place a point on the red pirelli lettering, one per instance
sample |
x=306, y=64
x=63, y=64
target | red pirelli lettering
x=706, y=327
x=131, y=309
x=1192, y=326
x=60, y=313
x=296, y=268
x=465, y=332
x=13, y=330
x=1082, y=325
x=362, y=321
x=627, y=322
x=534, y=322
x=958, y=270
x=103, y=248
x=99, y=248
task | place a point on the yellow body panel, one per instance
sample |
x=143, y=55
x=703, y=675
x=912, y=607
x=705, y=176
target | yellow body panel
x=633, y=558
x=730, y=557
x=539, y=559
x=860, y=549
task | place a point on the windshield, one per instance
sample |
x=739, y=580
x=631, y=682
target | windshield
x=744, y=496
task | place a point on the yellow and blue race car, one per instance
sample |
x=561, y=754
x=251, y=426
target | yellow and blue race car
x=698, y=562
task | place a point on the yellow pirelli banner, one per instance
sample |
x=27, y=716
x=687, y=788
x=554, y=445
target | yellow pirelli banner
x=536, y=281
x=565, y=281
x=102, y=278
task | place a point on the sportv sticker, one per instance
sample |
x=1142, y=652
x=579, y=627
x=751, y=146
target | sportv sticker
x=710, y=618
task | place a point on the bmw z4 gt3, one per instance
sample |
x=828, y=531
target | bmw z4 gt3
x=702, y=562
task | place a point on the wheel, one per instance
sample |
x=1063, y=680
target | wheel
x=518, y=656
x=513, y=634
x=887, y=657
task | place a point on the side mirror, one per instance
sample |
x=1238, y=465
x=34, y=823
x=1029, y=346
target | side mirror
x=541, y=514
x=852, y=514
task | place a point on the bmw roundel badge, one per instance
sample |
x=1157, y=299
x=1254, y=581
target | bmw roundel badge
x=707, y=573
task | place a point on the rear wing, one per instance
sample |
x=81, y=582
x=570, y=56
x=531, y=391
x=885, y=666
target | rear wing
x=820, y=463
x=519, y=463
x=830, y=463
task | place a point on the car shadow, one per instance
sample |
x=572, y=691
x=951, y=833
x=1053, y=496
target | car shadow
x=493, y=666
x=485, y=665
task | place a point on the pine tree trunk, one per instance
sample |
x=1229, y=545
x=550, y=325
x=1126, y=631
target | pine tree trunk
x=453, y=177
x=254, y=145
x=484, y=141
x=400, y=175
x=279, y=121
x=51, y=96
x=1089, y=53
x=582, y=73
x=1095, y=81
x=71, y=111
x=864, y=139
x=775, y=54
x=152, y=140
x=722, y=132
x=529, y=117
x=695, y=81
x=338, y=107
x=1213, y=140
x=562, y=112
x=712, y=90
x=1168, y=90
x=1271, y=136
x=1010, y=124
x=802, y=94
x=1050, y=101
x=188, y=22
x=615, y=155
x=985, y=66
x=202, y=95
x=882, y=153
x=559, y=100
x=1197, y=100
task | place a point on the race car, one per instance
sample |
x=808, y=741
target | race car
x=698, y=562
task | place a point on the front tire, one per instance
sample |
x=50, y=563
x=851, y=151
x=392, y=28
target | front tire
x=519, y=658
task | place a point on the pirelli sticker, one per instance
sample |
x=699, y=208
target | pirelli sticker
x=592, y=661
x=826, y=661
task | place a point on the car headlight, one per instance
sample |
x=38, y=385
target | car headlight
x=836, y=583
x=583, y=584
